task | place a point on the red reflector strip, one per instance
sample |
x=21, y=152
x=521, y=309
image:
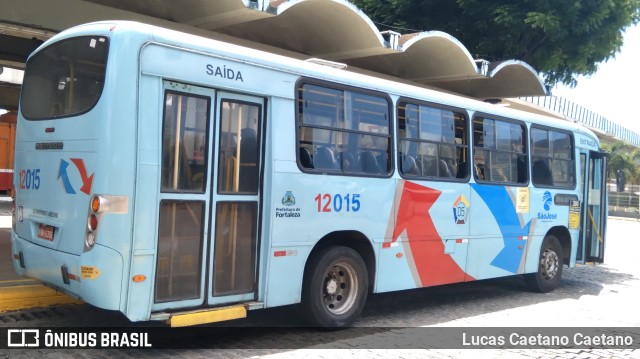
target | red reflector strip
x=74, y=277
x=386, y=245
x=291, y=252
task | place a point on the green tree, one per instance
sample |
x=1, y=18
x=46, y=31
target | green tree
x=625, y=158
x=561, y=39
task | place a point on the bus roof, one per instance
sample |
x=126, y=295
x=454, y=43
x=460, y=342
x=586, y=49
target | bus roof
x=298, y=66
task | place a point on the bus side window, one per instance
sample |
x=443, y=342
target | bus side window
x=499, y=151
x=434, y=138
x=342, y=131
x=552, y=158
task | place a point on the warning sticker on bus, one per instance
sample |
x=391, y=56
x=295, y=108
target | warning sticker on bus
x=574, y=215
x=89, y=272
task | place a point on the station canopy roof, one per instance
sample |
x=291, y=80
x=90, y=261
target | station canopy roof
x=333, y=30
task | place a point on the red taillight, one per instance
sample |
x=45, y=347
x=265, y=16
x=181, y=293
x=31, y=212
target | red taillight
x=93, y=222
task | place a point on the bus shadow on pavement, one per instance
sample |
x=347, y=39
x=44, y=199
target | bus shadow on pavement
x=446, y=303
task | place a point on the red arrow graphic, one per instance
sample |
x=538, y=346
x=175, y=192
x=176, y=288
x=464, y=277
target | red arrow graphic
x=86, y=181
x=434, y=267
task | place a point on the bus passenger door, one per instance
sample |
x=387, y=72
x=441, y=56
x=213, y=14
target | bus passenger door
x=594, y=207
x=209, y=197
x=235, y=204
x=184, y=198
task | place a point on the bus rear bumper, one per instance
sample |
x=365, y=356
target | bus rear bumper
x=95, y=276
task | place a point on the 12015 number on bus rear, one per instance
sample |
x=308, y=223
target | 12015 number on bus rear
x=30, y=179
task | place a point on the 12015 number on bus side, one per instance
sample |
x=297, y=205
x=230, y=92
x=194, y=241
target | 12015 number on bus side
x=338, y=203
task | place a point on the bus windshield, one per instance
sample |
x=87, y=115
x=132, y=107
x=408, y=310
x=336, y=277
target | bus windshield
x=65, y=78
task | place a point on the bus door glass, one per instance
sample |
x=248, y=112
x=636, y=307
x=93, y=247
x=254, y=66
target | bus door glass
x=184, y=196
x=594, y=208
x=235, y=204
x=209, y=200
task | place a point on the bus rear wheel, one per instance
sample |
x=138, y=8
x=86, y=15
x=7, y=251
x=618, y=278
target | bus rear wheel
x=335, y=287
x=550, y=263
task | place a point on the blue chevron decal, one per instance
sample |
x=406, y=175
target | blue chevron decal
x=503, y=210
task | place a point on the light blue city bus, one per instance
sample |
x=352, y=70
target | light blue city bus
x=177, y=178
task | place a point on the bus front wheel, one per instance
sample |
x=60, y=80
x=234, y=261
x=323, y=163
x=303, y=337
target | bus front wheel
x=550, y=263
x=335, y=287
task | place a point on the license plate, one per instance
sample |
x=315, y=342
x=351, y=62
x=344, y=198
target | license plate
x=45, y=232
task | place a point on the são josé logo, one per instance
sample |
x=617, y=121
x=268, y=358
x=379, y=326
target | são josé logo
x=547, y=202
x=63, y=174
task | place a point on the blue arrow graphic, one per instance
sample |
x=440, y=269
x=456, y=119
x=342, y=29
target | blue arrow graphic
x=501, y=206
x=65, y=177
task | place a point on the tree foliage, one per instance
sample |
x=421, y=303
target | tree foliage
x=561, y=39
x=625, y=158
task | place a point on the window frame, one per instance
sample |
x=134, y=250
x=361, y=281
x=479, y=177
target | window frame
x=259, y=147
x=207, y=133
x=573, y=160
x=438, y=106
x=353, y=89
x=525, y=153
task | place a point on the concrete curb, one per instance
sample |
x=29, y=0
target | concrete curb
x=32, y=296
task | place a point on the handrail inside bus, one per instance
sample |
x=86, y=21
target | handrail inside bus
x=593, y=222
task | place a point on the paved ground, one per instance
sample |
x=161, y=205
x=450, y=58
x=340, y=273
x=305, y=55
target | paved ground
x=600, y=296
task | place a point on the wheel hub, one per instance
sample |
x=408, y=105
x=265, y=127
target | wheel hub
x=550, y=264
x=332, y=286
x=340, y=288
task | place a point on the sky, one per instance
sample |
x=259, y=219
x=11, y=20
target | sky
x=613, y=90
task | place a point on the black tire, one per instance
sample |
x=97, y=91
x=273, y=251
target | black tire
x=550, y=264
x=335, y=287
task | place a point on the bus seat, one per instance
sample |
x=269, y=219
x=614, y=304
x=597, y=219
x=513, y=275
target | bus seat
x=348, y=162
x=324, y=159
x=445, y=170
x=369, y=162
x=305, y=158
x=409, y=166
x=541, y=174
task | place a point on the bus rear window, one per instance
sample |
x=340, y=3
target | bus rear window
x=64, y=79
